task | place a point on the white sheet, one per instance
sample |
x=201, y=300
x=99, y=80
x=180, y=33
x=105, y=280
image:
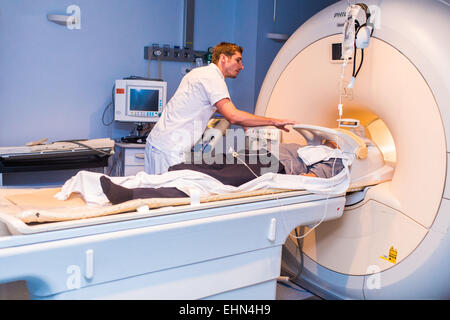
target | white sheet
x=88, y=183
x=313, y=154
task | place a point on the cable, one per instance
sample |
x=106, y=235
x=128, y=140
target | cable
x=357, y=27
x=159, y=68
x=354, y=74
x=297, y=237
x=291, y=287
x=107, y=107
x=103, y=153
x=326, y=202
x=236, y=155
x=115, y=166
x=360, y=64
x=300, y=250
x=103, y=116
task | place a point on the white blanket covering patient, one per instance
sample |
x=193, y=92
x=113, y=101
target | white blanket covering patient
x=88, y=183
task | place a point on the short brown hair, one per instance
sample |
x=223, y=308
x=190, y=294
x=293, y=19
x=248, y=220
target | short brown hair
x=226, y=48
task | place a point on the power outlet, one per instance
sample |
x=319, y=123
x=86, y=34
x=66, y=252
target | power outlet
x=175, y=53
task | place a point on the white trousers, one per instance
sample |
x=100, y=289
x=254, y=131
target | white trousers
x=157, y=161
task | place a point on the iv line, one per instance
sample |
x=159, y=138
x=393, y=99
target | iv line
x=341, y=81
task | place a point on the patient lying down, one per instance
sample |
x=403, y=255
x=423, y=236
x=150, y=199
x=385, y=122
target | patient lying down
x=233, y=171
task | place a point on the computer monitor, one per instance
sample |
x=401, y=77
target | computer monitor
x=139, y=100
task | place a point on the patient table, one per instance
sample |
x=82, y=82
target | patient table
x=227, y=249
x=210, y=250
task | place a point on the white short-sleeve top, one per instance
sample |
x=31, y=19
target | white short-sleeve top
x=187, y=113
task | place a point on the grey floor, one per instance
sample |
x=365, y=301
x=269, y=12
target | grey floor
x=285, y=291
x=291, y=291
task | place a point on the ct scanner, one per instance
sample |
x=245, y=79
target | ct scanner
x=391, y=241
x=394, y=242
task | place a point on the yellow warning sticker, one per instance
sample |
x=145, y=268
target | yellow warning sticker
x=392, y=255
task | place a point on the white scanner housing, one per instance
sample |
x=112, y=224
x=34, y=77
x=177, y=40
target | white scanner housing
x=394, y=243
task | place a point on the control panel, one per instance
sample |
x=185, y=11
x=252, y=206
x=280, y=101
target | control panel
x=145, y=113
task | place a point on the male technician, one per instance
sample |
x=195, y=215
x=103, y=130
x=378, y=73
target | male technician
x=202, y=92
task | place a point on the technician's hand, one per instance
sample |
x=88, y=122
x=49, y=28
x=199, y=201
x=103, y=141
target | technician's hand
x=282, y=123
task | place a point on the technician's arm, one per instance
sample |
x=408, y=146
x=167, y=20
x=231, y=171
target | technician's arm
x=245, y=119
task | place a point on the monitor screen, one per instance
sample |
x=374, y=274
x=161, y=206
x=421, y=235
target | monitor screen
x=139, y=100
x=144, y=99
